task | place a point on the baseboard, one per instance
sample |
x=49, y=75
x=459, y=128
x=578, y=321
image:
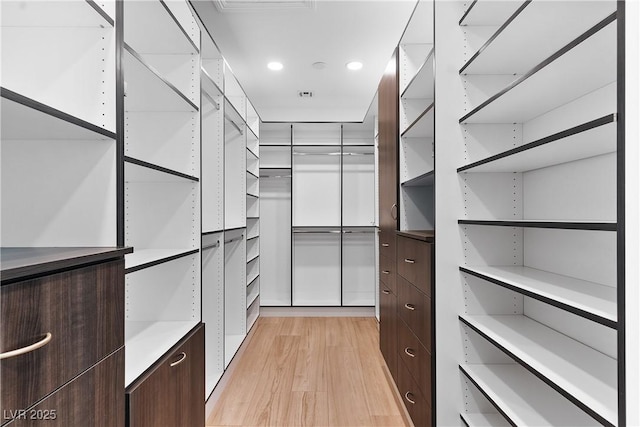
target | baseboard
x=317, y=311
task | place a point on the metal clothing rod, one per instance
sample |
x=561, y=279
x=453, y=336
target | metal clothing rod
x=316, y=154
x=211, y=100
x=234, y=239
x=358, y=231
x=234, y=124
x=211, y=246
x=275, y=176
x=358, y=154
x=317, y=231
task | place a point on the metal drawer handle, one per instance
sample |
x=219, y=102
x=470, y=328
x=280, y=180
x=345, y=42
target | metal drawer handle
x=410, y=261
x=410, y=306
x=406, y=396
x=394, y=209
x=386, y=272
x=183, y=356
x=409, y=352
x=44, y=341
x=386, y=292
x=385, y=245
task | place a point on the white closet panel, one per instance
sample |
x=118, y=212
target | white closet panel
x=275, y=242
x=235, y=292
x=275, y=157
x=317, y=134
x=235, y=154
x=275, y=134
x=316, y=186
x=212, y=152
x=316, y=268
x=358, y=186
x=213, y=307
x=358, y=267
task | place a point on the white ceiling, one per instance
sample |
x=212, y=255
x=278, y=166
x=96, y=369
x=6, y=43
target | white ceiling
x=298, y=33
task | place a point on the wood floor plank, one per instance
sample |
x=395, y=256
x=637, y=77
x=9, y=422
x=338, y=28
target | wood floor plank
x=309, y=372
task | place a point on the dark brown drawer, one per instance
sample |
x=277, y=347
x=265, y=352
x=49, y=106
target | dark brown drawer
x=388, y=243
x=95, y=398
x=419, y=408
x=414, y=262
x=172, y=393
x=389, y=330
x=415, y=309
x=388, y=273
x=81, y=309
x=416, y=358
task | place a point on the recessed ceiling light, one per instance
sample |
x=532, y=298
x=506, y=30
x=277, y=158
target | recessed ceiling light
x=319, y=65
x=275, y=66
x=354, y=65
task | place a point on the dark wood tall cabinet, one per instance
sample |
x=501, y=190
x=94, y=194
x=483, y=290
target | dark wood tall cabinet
x=388, y=210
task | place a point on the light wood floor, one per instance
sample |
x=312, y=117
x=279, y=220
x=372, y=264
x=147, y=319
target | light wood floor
x=309, y=372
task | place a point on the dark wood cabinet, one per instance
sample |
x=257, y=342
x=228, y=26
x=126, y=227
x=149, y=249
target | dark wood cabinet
x=415, y=357
x=414, y=262
x=94, y=399
x=171, y=393
x=414, y=308
x=388, y=329
x=417, y=405
x=62, y=336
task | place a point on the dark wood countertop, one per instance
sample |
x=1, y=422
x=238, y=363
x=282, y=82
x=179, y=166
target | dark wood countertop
x=20, y=263
x=424, y=235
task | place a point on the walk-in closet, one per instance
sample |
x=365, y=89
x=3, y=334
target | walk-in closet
x=316, y=212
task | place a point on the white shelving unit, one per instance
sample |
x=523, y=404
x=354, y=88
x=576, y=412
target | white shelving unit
x=161, y=74
x=58, y=125
x=213, y=305
x=531, y=216
x=235, y=167
x=417, y=114
x=235, y=292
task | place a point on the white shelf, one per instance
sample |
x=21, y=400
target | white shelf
x=554, y=149
x=554, y=82
x=146, y=90
x=53, y=14
x=164, y=36
x=587, y=299
x=209, y=85
x=524, y=399
x=422, y=126
x=253, y=313
x=153, y=173
x=421, y=84
x=539, y=30
x=587, y=376
x=146, y=342
x=146, y=256
x=253, y=290
x=484, y=420
x=26, y=119
x=489, y=13
x=422, y=180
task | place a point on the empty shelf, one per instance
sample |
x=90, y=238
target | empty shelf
x=420, y=181
x=147, y=90
x=489, y=13
x=538, y=29
x=527, y=223
x=553, y=82
x=422, y=83
x=209, y=85
x=587, y=299
x=144, y=258
x=522, y=398
x=583, y=375
x=26, y=119
x=484, y=420
x=423, y=126
x=590, y=139
x=146, y=342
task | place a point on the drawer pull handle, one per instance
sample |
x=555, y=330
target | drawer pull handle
x=385, y=245
x=409, y=352
x=394, y=210
x=409, y=399
x=410, y=261
x=183, y=356
x=386, y=292
x=386, y=272
x=410, y=306
x=44, y=341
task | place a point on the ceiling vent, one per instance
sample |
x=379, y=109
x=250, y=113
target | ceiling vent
x=305, y=94
x=253, y=5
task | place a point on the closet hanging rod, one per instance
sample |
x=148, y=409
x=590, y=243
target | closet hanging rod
x=358, y=231
x=316, y=231
x=211, y=246
x=234, y=124
x=316, y=154
x=275, y=176
x=234, y=239
x=358, y=154
x=211, y=100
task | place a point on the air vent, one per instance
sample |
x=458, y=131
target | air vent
x=305, y=94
